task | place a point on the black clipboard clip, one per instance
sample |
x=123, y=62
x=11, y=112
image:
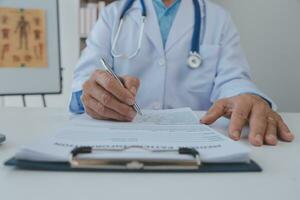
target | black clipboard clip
x=79, y=161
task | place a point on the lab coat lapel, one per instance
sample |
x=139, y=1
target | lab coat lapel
x=152, y=30
x=182, y=23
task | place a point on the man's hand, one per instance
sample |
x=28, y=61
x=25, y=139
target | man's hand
x=104, y=98
x=266, y=126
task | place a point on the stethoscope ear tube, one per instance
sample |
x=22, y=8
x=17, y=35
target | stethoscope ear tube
x=115, y=41
x=127, y=6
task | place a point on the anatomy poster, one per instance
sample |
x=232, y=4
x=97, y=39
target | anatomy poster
x=23, y=38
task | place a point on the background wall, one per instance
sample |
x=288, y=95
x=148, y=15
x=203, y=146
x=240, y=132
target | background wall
x=270, y=31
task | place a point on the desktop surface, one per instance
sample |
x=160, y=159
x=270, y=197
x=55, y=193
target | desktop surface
x=280, y=178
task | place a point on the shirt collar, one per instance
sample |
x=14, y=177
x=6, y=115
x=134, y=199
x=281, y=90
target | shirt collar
x=161, y=4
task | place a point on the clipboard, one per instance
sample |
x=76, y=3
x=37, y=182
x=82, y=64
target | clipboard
x=77, y=163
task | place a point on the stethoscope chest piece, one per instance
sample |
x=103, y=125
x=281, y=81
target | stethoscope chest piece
x=194, y=60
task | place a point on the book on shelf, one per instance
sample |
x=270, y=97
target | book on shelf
x=88, y=16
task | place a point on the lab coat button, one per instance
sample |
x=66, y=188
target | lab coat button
x=161, y=62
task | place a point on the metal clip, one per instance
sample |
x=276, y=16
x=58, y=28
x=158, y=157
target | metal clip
x=121, y=163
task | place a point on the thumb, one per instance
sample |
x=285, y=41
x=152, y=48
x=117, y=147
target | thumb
x=131, y=83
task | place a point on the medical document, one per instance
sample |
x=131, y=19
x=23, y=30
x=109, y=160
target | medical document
x=155, y=117
x=157, y=130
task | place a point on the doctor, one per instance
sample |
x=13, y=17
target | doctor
x=170, y=54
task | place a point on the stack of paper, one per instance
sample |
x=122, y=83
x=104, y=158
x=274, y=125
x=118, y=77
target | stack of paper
x=155, y=130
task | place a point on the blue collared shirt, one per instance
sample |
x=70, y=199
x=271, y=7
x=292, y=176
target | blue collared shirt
x=76, y=105
x=166, y=16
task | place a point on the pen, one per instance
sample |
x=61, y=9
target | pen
x=109, y=70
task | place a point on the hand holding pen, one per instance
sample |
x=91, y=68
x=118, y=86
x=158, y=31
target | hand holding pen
x=106, y=97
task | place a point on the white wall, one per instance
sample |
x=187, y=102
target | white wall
x=270, y=31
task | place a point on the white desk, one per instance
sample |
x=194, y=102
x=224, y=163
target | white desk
x=279, y=180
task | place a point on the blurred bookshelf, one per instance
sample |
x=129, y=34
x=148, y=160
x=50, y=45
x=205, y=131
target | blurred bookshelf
x=89, y=12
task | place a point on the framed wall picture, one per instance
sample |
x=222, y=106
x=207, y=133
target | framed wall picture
x=29, y=47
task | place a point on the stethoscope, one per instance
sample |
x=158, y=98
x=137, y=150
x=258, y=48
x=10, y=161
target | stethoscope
x=194, y=60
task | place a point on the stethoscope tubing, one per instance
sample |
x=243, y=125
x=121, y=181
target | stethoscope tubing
x=198, y=34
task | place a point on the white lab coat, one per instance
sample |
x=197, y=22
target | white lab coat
x=166, y=80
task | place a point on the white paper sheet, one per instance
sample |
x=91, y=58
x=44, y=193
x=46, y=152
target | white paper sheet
x=154, y=117
x=156, y=130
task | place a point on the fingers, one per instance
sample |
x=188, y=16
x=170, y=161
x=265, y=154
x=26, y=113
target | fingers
x=93, y=114
x=239, y=118
x=277, y=129
x=98, y=111
x=215, y=112
x=132, y=84
x=258, y=124
x=108, y=100
x=271, y=132
x=111, y=85
x=105, y=98
x=284, y=132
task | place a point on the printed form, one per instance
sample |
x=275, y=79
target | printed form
x=154, y=117
x=154, y=130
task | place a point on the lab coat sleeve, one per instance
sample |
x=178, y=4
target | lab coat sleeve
x=98, y=45
x=233, y=73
